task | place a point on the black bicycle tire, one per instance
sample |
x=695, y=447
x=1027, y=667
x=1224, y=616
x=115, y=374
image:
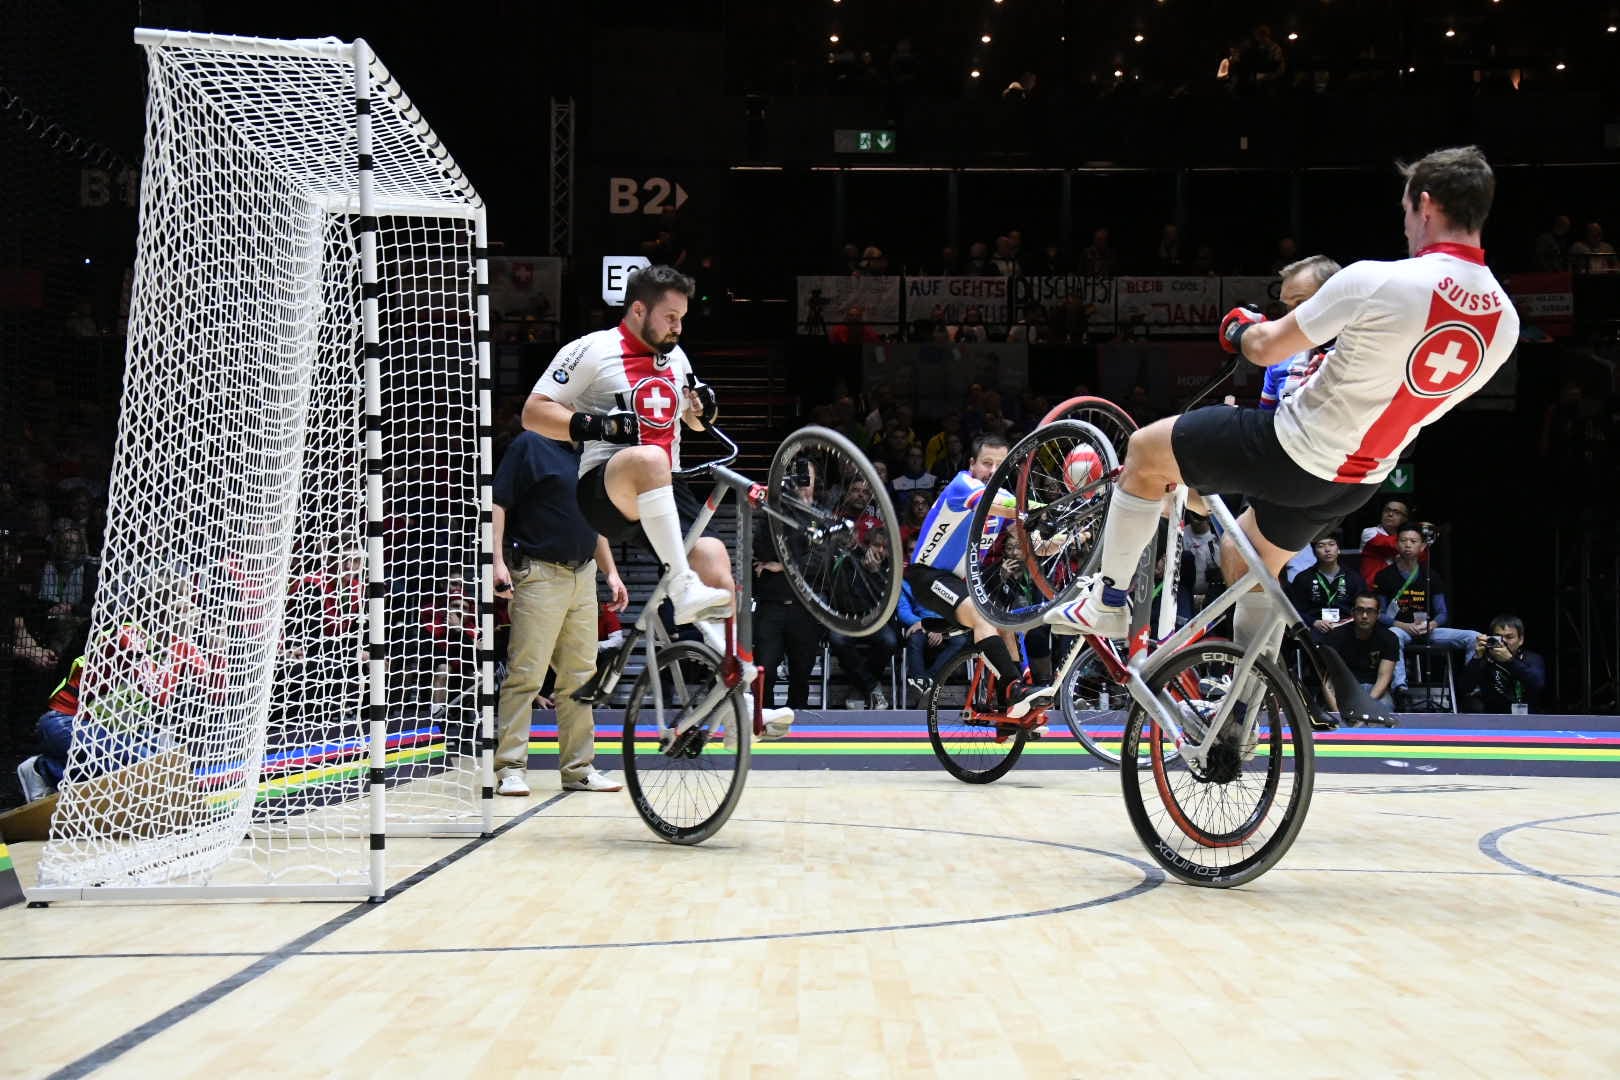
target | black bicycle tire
x=999, y=480
x=684, y=651
x=1160, y=670
x=871, y=621
x=1015, y=742
x=1064, y=703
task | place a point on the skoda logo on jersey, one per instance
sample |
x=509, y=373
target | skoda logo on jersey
x=1444, y=360
x=656, y=402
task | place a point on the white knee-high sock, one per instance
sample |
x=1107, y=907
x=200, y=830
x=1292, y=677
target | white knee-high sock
x=1248, y=616
x=1128, y=530
x=663, y=526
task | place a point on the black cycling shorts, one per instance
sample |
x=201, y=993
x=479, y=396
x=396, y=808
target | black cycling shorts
x=604, y=517
x=936, y=591
x=1220, y=449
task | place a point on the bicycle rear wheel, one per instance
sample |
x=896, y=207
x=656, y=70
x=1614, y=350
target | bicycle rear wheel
x=975, y=750
x=1038, y=527
x=1229, y=820
x=685, y=786
x=1110, y=419
x=835, y=531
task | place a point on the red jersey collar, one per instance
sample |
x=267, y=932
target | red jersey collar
x=1465, y=252
x=633, y=345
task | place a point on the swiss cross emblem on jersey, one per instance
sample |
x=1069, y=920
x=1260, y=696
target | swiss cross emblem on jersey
x=1444, y=360
x=656, y=402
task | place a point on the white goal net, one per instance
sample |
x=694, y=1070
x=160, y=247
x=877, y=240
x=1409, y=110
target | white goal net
x=288, y=654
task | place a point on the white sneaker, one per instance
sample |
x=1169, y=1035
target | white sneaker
x=513, y=784
x=34, y=786
x=778, y=722
x=595, y=780
x=1089, y=615
x=854, y=703
x=695, y=601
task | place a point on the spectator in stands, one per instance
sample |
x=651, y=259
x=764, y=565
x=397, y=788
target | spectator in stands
x=1167, y=257
x=916, y=511
x=873, y=262
x=1552, y=246
x=1378, y=541
x=972, y=328
x=1370, y=650
x=949, y=264
x=1287, y=254
x=782, y=626
x=546, y=559
x=1005, y=262
x=1140, y=406
x=893, y=450
x=1201, y=580
x=1032, y=328
x=1322, y=593
x=979, y=263
x=849, y=261
x=915, y=478
x=1051, y=260
x=1265, y=60
x=935, y=447
x=1592, y=254
x=66, y=588
x=450, y=621
x=1098, y=258
x=1415, y=603
x=1503, y=676
x=22, y=624
x=854, y=330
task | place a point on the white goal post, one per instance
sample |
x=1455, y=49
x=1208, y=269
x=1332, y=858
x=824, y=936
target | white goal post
x=290, y=655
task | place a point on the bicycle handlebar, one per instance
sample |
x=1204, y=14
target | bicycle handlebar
x=725, y=459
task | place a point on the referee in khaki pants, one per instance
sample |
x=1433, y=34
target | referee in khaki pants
x=544, y=563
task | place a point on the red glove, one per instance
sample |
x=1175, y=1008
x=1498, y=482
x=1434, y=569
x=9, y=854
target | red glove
x=1236, y=322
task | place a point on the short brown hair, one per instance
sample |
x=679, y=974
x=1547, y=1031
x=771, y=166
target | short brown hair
x=651, y=283
x=1459, y=179
x=1321, y=268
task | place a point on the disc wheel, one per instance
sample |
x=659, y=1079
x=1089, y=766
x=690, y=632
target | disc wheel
x=974, y=750
x=684, y=786
x=1229, y=819
x=1037, y=529
x=835, y=531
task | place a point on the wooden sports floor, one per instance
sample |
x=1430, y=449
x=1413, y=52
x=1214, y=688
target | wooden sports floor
x=876, y=924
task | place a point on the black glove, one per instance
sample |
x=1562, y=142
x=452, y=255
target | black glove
x=614, y=427
x=710, y=408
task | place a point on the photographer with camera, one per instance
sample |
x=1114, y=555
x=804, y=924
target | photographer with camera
x=1504, y=676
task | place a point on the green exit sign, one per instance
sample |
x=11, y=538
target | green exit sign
x=863, y=141
x=1402, y=478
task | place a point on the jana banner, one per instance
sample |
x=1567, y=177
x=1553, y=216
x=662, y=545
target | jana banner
x=1054, y=291
x=1545, y=301
x=825, y=301
x=955, y=295
x=1170, y=305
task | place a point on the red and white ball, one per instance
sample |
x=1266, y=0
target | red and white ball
x=1082, y=466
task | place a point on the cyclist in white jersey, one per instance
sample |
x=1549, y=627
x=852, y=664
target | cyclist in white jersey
x=625, y=393
x=1415, y=338
x=940, y=560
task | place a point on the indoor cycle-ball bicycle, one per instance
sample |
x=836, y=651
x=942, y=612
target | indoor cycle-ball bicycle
x=687, y=735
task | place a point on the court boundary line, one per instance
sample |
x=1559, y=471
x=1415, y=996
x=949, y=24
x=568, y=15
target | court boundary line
x=1491, y=846
x=111, y=1051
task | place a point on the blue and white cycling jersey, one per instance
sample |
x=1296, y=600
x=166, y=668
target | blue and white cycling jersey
x=1283, y=379
x=943, y=541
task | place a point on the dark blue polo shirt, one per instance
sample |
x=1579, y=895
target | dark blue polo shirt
x=535, y=486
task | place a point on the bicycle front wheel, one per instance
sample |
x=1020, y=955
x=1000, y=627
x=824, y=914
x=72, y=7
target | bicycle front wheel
x=1102, y=414
x=685, y=786
x=835, y=531
x=974, y=748
x=1227, y=820
x=1094, y=706
x=1037, y=528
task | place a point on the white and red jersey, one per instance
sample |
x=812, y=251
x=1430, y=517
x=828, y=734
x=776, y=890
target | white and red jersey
x=614, y=369
x=1415, y=338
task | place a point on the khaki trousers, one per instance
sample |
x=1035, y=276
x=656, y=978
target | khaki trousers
x=553, y=625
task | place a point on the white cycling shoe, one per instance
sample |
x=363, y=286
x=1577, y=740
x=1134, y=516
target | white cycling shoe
x=1089, y=615
x=695, y=601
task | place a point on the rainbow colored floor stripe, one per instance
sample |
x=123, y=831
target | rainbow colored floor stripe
x=305, y=768
x=1425, y=742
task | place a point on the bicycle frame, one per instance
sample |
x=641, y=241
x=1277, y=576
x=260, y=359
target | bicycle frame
x=736, y=649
